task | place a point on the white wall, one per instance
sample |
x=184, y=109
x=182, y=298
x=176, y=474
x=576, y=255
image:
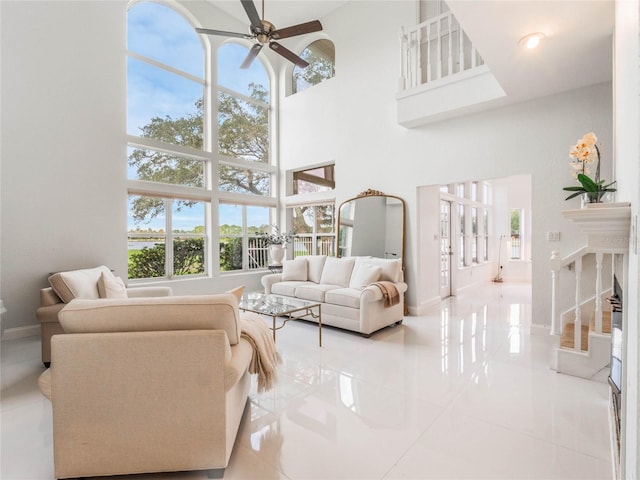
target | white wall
x=627, y=150
x=351, y=119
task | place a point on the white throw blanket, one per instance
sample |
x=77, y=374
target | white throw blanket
x=266, y=358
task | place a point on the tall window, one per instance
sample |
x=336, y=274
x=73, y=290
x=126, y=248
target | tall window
x=314, y=229
x=183, y=170
x=321, y=56
x=474, y=234
x=166, y=165
x=485, y=234
x=516, y=233
x=462, y=251
x=240, y=245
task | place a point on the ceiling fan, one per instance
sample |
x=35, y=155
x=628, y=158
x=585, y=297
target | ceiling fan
x=266, y=33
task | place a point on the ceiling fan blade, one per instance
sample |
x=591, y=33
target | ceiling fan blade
x=308, y=27
x=288, y=54
x=208, y=31
x=252, y=13
x=253, y=53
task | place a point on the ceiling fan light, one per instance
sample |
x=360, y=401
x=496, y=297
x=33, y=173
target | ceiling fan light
x=532, y=40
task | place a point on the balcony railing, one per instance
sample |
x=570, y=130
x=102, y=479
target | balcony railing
x=304, y=245
x=435, y=49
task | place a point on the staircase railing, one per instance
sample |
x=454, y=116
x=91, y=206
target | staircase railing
x=435, y=49
x=574, y=260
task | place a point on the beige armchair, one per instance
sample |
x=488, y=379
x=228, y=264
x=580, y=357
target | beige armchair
x=143, y=385
x=65, y=286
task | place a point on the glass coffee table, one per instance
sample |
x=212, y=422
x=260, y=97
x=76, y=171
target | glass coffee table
x=276, y=306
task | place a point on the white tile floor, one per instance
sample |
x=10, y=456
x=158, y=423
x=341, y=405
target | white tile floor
x=463, y=392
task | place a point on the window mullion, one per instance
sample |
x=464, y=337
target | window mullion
x=168, y=208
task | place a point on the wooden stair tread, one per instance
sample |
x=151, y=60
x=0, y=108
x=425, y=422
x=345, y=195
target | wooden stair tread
x=567, y=340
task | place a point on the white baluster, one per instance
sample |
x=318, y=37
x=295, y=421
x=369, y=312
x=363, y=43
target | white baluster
x=577, y=334
x=598, y=312
x=402, y=82
x=414, y=59
x=439, y=45
x=461, y=45
x=556, y=327
x=419, y=55
x=450, y=47
x=429, y=59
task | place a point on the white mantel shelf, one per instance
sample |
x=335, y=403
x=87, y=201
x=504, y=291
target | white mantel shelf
x=605, y=224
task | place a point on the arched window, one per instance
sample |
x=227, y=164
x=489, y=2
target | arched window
x=167, y=194
x=199, y=163
x=321, y=56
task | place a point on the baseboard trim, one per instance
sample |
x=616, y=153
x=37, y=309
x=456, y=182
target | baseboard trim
x=21, y=332
x=539, y=329
x=424, y=306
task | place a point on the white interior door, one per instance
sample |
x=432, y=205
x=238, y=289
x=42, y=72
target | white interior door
x=446, y=251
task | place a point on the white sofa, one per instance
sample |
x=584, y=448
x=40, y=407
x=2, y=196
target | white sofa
x=346, y=288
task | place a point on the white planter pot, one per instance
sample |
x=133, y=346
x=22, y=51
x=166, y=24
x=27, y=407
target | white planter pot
x=277, y=252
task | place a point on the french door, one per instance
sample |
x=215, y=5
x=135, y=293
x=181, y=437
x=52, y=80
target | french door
x=446, y=251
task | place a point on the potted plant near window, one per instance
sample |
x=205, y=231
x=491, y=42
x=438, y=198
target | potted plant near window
x=277, y=243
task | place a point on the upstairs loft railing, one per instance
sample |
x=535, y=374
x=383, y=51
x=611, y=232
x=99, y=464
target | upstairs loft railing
x=435, y=49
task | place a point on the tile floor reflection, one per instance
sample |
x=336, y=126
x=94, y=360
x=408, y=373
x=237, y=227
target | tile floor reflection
x=463, y=392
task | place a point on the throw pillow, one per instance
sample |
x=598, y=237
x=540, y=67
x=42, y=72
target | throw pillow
x=237, y=292
x=77, y=283
x=294, y=270
x=316, y=264
x=365, y=275
x=110, y=286
x=337, y=271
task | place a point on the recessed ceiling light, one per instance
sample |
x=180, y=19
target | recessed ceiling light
x=532, y=40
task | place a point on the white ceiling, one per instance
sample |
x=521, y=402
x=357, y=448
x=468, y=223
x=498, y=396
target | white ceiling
x=283, y=13
x=577, y=51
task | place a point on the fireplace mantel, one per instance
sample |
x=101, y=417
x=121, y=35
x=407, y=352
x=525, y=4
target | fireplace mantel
x=605, y=224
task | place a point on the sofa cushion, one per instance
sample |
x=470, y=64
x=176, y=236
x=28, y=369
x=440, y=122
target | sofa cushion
x=391, y=269
x=294, y=270
x=337, y=271
x=364, y=274
x=188, y=312
x=77, y=283
x=110, y=286
x=286, y=288
x=346, y=297
x=314, y=292
x=316, y=264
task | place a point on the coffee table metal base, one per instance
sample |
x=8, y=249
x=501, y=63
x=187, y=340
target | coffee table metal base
x=276, y=306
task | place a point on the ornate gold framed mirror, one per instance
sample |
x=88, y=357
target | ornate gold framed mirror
x=372, y=223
